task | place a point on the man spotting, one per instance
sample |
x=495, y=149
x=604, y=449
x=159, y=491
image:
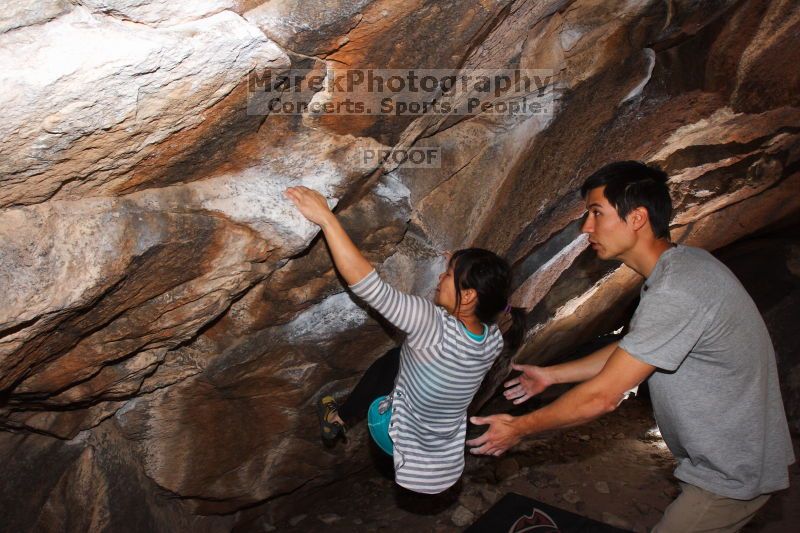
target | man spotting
x=699, y=340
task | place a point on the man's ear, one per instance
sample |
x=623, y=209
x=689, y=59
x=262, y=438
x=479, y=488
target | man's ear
x=638, y=217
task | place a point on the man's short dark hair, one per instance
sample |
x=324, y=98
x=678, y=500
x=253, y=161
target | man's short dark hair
x=632, y=184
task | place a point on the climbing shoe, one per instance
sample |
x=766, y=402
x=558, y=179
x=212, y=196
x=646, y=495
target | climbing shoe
x=326, y=408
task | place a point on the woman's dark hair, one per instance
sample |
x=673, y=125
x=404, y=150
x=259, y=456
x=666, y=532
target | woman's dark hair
x=632, y=184
x=490, y=277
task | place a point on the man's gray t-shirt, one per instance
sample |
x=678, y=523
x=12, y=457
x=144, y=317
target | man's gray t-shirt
x=715, y=392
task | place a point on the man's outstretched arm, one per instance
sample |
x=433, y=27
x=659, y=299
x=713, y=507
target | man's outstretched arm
x=587, y=401
x=535, y=379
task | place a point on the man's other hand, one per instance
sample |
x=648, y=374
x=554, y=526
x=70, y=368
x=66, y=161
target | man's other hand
x=500, y=436
x=532, y=381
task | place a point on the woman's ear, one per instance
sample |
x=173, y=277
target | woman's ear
x=468, y=296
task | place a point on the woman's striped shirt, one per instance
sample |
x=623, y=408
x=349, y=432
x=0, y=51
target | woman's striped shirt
x=441, y=369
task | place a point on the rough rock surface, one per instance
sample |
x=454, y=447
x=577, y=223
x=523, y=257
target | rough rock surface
x=169, y=319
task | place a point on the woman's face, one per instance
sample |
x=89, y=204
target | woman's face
x=446, y=290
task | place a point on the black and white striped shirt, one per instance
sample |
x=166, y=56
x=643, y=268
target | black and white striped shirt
x=441, y=369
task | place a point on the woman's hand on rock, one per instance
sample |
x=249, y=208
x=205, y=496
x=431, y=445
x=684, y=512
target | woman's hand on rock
x=310, y=203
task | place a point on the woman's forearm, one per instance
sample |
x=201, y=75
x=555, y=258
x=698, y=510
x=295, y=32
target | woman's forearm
x=349, y=260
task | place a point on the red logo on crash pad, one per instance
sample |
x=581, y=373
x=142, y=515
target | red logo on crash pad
x=538, y=522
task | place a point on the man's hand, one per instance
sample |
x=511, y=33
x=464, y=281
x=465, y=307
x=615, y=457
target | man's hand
x=532, y=381
x=311, y=204
x=500, y=436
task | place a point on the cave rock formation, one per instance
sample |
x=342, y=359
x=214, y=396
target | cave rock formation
x=168, y=318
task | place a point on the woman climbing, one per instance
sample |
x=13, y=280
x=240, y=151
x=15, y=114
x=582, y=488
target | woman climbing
x=416, y=397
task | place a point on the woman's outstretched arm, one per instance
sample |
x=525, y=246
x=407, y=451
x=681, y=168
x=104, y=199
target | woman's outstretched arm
x=349, y=260
x=411, y=314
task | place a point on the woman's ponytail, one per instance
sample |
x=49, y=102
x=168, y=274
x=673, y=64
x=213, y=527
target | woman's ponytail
x=512, y=325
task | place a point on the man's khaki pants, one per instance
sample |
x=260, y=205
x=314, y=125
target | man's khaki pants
x=697, y=510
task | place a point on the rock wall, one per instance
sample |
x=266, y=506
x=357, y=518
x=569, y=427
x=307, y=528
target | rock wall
x=169, y=319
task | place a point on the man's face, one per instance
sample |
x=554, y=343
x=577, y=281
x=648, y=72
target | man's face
x=609, y=235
